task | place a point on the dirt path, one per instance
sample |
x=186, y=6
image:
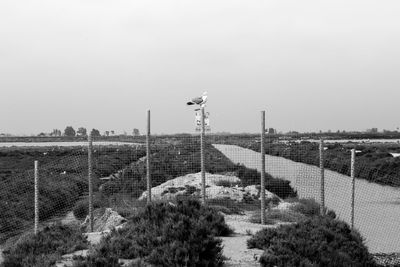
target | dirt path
x=235, y=247
x=237, y=254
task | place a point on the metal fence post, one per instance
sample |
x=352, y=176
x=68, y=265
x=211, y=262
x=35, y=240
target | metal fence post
x=262, y=192
x=321, y=165
x=148, y=173
x=90, y=170
x=353, y=182
x=36, y=197
x=203, y=173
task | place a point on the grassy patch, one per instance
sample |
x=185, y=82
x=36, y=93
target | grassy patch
x=62, y=180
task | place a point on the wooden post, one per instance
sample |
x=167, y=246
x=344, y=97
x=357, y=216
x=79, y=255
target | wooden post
x=262, y=190
x=148, y=173
x=322, y=169
x=90, y=171
x=353, y=182
x=36, y=197
x=203, y=173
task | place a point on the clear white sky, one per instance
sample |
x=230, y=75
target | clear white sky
x=310, y=64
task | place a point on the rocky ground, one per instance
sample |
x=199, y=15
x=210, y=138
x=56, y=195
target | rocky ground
x=235, y=247
x=102, y=225
x=388, y=260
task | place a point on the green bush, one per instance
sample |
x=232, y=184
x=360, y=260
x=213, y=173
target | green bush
x=318, y=241
x=166, y=235
x=279, y=187
x=308, y=207
x=45, y=248
x=81, y=208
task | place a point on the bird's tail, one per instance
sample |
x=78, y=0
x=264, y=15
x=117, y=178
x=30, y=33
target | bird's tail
x=189, y=103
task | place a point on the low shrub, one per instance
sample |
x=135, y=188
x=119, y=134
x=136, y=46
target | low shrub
x=166, y=235
x=279, y=187
x=309, y=207
x=45, y=248
x=317, y=241
x=81, y=208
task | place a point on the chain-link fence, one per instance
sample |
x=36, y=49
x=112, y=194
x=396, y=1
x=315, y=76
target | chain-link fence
x=368, y=199
x=74, y=182
x=60, y=181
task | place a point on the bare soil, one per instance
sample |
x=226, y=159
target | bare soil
x=235, y=246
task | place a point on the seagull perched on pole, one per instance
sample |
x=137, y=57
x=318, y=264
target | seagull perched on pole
x=201, y=100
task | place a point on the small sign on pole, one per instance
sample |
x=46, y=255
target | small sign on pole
x=207, y=127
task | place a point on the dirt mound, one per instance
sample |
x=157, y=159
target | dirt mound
x=218, y=186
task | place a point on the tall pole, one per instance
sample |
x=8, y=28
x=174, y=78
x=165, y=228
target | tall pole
x=262, y=152
x=321, y=165
x=148, y=174
x=90, y=171
x=36, y=196
x=353, y=182
x=203, y=173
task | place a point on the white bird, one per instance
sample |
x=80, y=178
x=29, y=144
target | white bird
x=201, y=100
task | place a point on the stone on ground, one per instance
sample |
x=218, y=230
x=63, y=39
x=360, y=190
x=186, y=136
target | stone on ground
x=106, y=222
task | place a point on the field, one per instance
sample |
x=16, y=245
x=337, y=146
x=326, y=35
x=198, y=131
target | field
x=63, y=180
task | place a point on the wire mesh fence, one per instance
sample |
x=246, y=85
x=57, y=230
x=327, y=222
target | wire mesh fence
x=62, y=180
x=232, y=165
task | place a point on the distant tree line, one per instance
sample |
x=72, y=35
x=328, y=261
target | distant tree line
x=69, y=131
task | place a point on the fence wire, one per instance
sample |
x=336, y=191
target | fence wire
x=232, y=167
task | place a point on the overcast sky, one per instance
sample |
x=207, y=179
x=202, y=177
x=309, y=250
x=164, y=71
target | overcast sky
x=101, y=64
